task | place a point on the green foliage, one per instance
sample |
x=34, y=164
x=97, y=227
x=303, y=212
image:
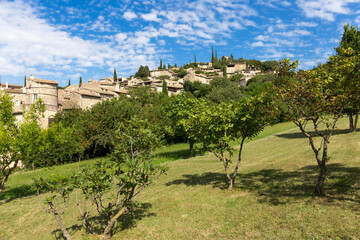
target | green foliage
x=80, y=81
x=236, y=77
x=224, y=90
x=197, y=88
x=164, y=88
x=215, y=127
x=260, y=83
x=182, y=73
x=163, y=77
x=349, y=39
x=143, y=72
x=130, y=171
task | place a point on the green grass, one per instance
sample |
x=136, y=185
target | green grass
x=273, y=196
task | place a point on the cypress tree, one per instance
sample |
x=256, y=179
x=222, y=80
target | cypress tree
x=69, y=82
x=115, y=75
x=194, y=58
x=175, y=65
x=164, y=67
x=80, y=81
x=160, y=64
x=169, y=66
x=25, y=81
x=164, y=88
x=224, y=71
x=212, y=54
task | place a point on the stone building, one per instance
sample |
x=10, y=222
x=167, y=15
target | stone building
x=24, y=96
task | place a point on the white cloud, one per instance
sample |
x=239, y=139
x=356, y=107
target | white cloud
x=32, y=45
x=151, y=17
x=129, y=15
x=258, y=44
x=325, y=9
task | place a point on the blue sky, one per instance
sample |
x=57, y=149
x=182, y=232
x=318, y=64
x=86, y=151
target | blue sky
x=65, y=39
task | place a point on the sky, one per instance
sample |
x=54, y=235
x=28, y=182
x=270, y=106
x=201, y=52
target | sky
x=65, y=39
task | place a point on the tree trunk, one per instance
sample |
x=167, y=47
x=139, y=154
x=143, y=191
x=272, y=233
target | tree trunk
x=238, y=161
x=353, y=122
x=63, y=229
x=107, y=232
x=320, y=183
x=226, y=167
x=356, y=121
x=191, y=153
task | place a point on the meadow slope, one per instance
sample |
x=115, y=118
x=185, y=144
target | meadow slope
x=273, y=196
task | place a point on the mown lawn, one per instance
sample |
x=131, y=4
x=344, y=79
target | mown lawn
x=273, y=197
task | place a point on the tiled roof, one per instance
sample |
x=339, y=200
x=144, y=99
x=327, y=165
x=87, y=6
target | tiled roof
x=42, y=81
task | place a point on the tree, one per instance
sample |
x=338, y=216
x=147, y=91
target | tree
x=313, y=100
x=8, y=132
x=15, y=141
x=212, y=55
x=60, y=189
x=161, y=65
x=224, y=71
x=197, y=88
x=130, y=171
x=69, y=83
x=164, y=88
x=223, y=90
x=143, y=72
x=80, y=81
x=194, y=58
x=179, y=110
x=182, y=73
x=115, y=75
x=351, y=39
x=217, y=126
x=25, y=81
x=175, y=65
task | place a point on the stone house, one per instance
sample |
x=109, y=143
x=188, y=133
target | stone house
x=24, y=96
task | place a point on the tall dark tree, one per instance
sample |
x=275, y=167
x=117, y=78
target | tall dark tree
x=143, y=72
x=194, y=58
x=351, y=39
x=115, y=75
x=80, y=81
x=164, y=88
x=175, y=65
x=161, y=65
x=212, y=55
x=69, y=83
x=25, y=81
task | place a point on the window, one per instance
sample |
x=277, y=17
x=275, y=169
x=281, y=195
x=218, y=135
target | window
x=35, y=97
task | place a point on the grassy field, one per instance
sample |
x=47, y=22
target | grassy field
x=273, y=196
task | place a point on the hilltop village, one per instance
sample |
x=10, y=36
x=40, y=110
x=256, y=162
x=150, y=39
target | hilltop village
x=85, y=95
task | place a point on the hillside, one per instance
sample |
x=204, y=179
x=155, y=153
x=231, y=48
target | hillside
x=273, y=196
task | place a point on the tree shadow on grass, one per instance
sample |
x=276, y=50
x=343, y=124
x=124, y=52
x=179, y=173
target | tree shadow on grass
x=301, y=135
x=172, y=156
x=125, y=221
x=276, y=186
x=11, y=193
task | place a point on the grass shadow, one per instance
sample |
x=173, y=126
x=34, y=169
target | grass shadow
x=297, y=135
x=125, y=221
x=276, y=186
x=171, y=155
x=11, y=193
